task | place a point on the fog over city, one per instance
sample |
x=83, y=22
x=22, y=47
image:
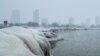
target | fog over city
x=54, y=10
x=49, y=27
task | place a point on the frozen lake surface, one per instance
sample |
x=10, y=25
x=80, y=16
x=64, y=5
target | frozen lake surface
x=79, y=43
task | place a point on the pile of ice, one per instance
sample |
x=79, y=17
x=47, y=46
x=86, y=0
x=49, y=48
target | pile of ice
x=19, y=41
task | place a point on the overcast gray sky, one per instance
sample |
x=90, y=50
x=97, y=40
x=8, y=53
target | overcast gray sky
x=54, y=10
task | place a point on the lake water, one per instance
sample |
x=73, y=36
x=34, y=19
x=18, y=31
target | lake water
x=79, y=43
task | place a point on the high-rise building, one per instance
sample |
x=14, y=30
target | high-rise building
x=88, y=22
x=36, y=16
x=44, y=22
x=15, y=18
x=97, y=20
x=71, y=21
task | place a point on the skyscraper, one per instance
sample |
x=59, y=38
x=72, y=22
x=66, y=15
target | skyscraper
x=44, y=22
x=97, y=20
x=36, y=16
x=71, y=21
x=88, y=22
x=15, y=18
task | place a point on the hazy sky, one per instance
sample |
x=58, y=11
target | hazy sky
x=54, y=10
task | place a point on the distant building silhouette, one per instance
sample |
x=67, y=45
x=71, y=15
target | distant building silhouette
x=36, y=16
x=5, y=23
x=55, y=24
x=97, y=20
x=44, y=22
x=82, y=24
x=71, y=21
x=32, y=24
x=15, y=18
x=88, y=22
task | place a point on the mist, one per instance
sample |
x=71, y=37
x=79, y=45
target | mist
x=54, y=10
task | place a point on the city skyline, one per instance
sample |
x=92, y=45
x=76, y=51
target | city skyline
x=55, y=10
x=36, y=18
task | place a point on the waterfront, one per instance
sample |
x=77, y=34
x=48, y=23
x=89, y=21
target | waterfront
x=79, y=43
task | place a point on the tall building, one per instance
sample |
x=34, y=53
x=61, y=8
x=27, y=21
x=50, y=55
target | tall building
x=88, y=22
x=71, y=21
x=97, y=20
x=82, y=24
x=15, y=18
x=44, y=22
x=36, y=16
